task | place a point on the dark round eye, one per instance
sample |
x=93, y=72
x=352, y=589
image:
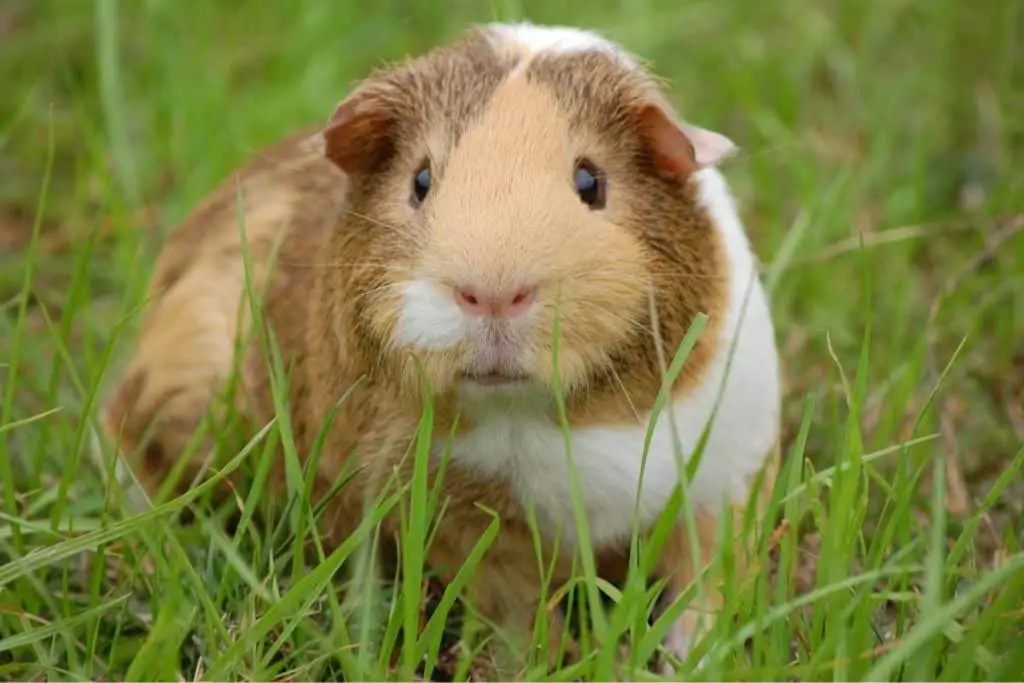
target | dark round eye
x=421, y=184
x=589, y=184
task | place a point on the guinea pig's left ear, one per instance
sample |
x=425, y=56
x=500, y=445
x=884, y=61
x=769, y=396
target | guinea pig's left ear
x=678, y=147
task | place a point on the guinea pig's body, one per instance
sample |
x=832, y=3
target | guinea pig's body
x=455, y=212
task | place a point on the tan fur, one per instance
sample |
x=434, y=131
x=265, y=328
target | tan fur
x=346, y=239
x=587, y=269
x=195, y=315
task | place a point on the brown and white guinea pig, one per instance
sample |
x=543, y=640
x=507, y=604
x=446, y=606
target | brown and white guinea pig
x=428, y=235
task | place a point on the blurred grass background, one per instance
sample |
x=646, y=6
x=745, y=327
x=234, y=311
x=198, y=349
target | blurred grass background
x=891, y=123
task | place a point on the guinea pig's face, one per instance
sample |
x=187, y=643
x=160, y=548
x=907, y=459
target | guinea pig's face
x=516, y=200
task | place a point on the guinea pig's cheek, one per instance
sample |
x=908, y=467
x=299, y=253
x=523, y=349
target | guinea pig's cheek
x=573, y=367
x=428, y=318
x=440, y=373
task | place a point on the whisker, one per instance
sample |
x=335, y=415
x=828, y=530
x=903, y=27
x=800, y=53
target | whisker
x=622, y=387
x=370, y=219
x=413, y=237
x=635, y=324
x=377, y=290
x=347, y=264
x=640, y=279
x=743, y=154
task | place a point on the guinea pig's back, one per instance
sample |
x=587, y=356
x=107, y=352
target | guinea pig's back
x=273, y=189
x=194, y=313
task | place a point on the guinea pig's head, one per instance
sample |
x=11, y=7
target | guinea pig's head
x=520, y=181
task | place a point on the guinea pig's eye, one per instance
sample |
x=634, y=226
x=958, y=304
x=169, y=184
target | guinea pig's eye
x=421, y=184
x=589, y=184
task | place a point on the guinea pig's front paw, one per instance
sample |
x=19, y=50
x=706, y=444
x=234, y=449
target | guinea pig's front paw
x=678, y=643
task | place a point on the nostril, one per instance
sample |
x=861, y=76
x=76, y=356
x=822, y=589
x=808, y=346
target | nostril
x=522, y=299
x=505, y=305
x=468, y=300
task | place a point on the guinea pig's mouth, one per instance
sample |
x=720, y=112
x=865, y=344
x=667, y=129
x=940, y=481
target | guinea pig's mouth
x=494, y=379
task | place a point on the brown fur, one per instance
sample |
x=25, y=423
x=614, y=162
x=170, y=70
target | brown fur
x=347, y=238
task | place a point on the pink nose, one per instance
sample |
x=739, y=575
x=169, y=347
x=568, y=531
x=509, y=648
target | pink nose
x=506, y=305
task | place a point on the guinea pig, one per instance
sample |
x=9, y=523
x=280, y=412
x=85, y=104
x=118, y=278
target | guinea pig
x=457, y=210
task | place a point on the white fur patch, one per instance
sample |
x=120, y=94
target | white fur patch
x=430, y=319
x=523, y=447
x=678, y=642
x=535, y=39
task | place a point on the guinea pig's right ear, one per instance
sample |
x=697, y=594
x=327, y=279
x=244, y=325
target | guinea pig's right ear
x=358, y=136
x=678, y=147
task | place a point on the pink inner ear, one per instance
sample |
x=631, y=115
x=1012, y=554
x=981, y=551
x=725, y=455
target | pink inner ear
x=710, y=147
x=357, y=133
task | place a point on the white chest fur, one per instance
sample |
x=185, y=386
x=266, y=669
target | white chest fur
x=528, y=450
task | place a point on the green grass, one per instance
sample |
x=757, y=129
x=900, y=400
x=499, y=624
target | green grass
x=869, y=130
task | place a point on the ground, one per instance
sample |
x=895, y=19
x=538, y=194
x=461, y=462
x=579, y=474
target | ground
x=881, y=181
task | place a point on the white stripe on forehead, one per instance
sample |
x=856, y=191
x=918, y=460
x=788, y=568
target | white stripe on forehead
x=533, y=39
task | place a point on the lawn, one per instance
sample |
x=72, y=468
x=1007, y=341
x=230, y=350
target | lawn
x=882, y=183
